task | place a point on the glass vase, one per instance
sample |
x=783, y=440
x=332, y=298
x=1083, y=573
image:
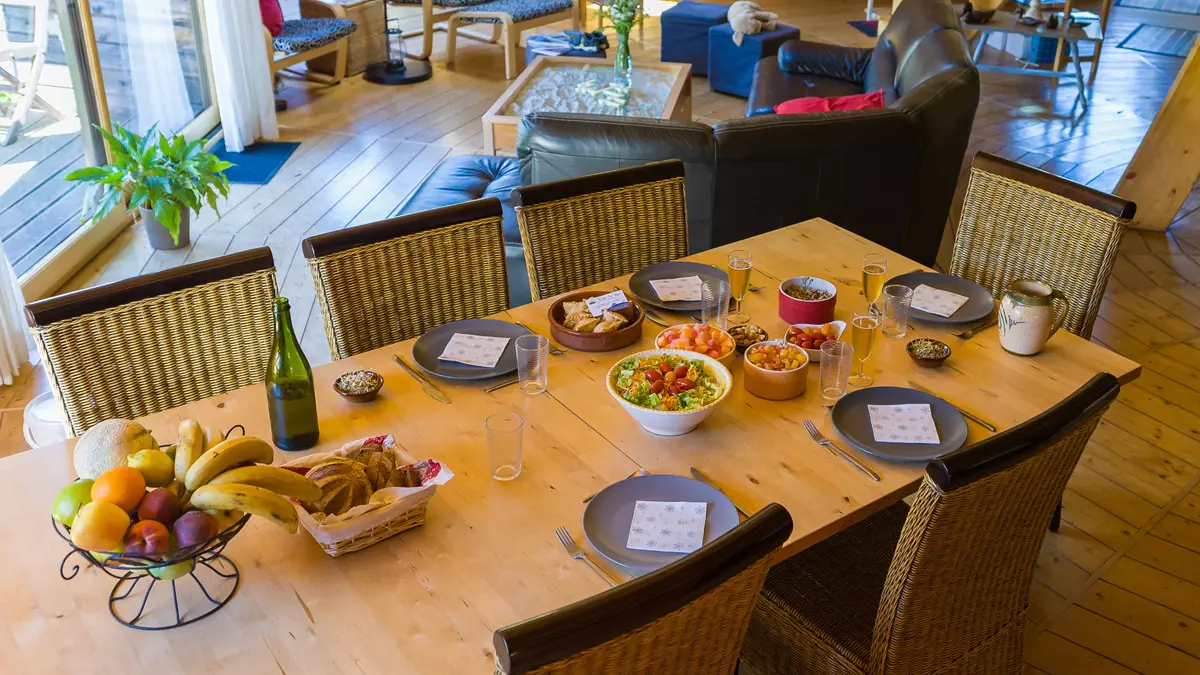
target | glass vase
x=623, y=63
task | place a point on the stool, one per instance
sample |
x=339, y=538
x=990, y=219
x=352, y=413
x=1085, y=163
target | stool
x=466, y=177
x=731, y=68
x=685, y=32
x=554, y=39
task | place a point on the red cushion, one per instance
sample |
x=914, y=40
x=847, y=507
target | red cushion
x=272, y=16
x=813, y=104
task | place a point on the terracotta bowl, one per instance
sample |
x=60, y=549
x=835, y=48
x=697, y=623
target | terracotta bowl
x=595, y=342
x=775, y=385
x=794, y=310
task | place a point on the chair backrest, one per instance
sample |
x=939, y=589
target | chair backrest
x=958, y=586
x=158, y=341
x=581, y=231
x=688, y=618
x=38, y=27
x=1023, y=223
x=389, y=281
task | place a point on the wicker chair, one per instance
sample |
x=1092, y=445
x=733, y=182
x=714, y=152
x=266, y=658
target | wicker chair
x=158, y=341
x=389, y=281
x=687, y=618
x=943, y=586
x=1019, y=222
x=581, y=231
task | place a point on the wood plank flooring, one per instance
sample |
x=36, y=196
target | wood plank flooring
x=1117, y=590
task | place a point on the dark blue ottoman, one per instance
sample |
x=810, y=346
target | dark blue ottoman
x=685, y=32
x=730, y=67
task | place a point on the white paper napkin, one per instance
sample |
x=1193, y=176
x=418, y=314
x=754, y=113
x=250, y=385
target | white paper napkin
x=908, y=423
x=937, y=301
x=474, y=350
x=683, y=288
x=670, y=527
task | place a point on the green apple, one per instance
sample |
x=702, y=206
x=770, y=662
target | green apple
x=173, y=572
x=156, y=467
x=70, y=500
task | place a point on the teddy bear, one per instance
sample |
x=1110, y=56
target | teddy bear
x=747, y=18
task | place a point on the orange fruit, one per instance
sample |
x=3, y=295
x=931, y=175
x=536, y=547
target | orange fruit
x=122, y=486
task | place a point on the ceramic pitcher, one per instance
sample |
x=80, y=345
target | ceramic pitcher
x=1027, y=317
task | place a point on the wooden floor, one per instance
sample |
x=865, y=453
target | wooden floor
x=1118, y=589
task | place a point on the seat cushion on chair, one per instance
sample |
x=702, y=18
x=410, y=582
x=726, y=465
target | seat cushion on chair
x=439, y=3
x=301, y=35
x=519, y=10
x=817, y=609
x=772, y=85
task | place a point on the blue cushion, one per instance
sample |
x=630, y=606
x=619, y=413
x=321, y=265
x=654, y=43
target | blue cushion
x=685, y=32
x=440, y=3
x=301, y=35
x=519, y=10
x=730, y=67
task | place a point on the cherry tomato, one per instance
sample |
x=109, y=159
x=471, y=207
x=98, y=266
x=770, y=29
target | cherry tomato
x=657, y=387
x=669, y=377
x=681, y=371
x=664, y=368
x=673, y=389
x=653, y=375
x=807, y=344
x=685, y=384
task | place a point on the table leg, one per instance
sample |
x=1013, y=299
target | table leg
x=1083, y=99
x=981, y=38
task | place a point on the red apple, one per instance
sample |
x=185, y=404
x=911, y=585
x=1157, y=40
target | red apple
x=160, y=505
x=194, y=527
x=148, y=537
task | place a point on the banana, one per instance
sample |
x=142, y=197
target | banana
x=212, y=437
x=188, y=448
x=225, y=455
x=176, y=486
x=273, y=478
x=225, y=519
x=250, y=499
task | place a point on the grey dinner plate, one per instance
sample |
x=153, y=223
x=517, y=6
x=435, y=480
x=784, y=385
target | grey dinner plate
x=980, y=302
x=639, y=283
x=607, y=518
x=853, y=421
x=430, y=346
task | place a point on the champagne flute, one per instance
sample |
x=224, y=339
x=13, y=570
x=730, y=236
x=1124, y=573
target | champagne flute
x=874, y=267
x=863, y=331
x=740, y=264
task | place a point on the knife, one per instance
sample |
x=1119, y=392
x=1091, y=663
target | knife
x=429, y=388
x=703, y=478
x=970, y=332
x=971, y=416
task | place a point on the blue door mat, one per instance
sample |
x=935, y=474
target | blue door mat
x=1172, y=6
x=257, y=164
x=1160, y=40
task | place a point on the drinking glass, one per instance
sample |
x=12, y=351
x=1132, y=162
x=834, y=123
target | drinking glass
x=533, y=353
x=863, y=330
x=504, y=435
x=897, y=300
x=740, y=264
x=874, y=267
x=714, y=303
x=836, y=360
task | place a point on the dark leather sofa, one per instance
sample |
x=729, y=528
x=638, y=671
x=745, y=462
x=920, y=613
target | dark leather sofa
x=888, y=175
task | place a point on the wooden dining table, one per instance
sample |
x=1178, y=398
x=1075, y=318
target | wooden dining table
x=428, y=600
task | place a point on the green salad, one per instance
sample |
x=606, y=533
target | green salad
x=667, y=382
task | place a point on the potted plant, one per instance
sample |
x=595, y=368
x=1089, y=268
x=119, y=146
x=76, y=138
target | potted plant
x=164, y=178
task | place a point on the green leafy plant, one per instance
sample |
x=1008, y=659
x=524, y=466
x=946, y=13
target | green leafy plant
x=161, y=174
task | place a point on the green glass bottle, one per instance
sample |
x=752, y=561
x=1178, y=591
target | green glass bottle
x=291, y=397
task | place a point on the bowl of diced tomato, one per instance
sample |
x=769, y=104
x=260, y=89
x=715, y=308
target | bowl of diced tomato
x=701, y=338
x=776, y=370
x=669, y=391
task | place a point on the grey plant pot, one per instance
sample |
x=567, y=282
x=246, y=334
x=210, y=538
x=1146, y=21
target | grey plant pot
x=160, y=239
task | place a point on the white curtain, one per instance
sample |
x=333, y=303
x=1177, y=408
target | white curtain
x=241, y=73
x=159, y=93
x=14, y=335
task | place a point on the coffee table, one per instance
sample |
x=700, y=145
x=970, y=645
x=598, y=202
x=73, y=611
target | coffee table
x=551, y=84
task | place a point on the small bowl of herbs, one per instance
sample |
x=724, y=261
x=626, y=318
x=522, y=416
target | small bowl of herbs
x=808, y=300
x=359, y=386
x=927, y=352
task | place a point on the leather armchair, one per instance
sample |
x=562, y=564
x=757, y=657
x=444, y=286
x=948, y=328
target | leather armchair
x=887, y=175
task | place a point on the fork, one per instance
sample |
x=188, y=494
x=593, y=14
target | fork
x=821, y=440
x=639, y=472
x=573, y=550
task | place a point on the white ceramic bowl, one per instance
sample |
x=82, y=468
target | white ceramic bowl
x=726, y=360
x=671, y=422
x=814, y=355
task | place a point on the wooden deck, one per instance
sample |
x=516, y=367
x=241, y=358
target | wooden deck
x=1118, y=589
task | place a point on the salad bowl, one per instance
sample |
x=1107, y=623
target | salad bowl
x=708, y=383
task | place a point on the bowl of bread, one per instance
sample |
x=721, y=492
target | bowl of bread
x=573, y=325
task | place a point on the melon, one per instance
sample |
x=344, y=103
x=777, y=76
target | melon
x=109, y=445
